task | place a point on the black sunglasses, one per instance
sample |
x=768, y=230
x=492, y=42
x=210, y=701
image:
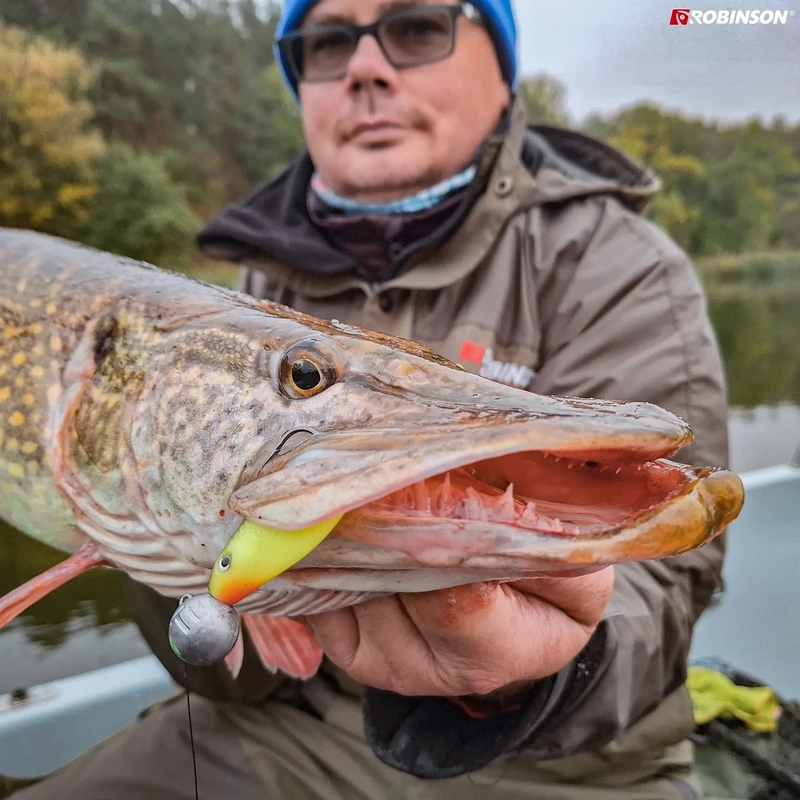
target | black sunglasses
x=409, y=37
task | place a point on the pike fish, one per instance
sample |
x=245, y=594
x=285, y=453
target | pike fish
x=146, y=417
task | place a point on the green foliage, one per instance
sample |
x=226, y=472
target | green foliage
x=48, y=152
x=186, y=79
x=725, y=190
x=58, y=16
x=284, y=136
x=544, y=98
x=190, y=82
x=139, y=212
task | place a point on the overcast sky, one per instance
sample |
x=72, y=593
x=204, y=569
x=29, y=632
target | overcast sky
x=614, y=52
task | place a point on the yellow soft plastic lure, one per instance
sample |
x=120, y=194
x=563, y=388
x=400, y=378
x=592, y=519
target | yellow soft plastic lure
x=256, y=554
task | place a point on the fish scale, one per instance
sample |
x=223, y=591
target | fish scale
x=34, y=334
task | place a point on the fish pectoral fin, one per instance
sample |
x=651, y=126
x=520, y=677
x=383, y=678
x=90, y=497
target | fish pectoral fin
x=235, y=659
x=23, y=597
x=284, y=644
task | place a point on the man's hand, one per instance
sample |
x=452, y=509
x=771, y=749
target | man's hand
x=474, y=639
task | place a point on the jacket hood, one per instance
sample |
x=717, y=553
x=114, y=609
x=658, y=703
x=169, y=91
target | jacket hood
x=272, y=224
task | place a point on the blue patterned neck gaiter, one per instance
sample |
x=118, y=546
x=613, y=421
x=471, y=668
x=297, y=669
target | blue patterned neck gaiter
x=413, y=204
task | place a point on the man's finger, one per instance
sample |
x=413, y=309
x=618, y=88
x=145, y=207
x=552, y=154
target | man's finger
x=583, y=597
x=338, y=635
x=378, y=637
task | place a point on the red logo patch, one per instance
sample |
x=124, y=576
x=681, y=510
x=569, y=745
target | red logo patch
x=472, y=352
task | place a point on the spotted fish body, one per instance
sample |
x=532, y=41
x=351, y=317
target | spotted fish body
x=40, y=325
x=148, y=415
x=86, y=341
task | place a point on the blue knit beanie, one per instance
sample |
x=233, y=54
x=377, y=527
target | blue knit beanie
x=498, y=14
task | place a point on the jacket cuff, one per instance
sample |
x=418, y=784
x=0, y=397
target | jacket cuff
x=436, y=738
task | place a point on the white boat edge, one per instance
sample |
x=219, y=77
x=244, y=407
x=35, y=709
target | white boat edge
x=58, y=721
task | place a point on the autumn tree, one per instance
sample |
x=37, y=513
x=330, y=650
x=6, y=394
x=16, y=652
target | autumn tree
x=544, y=99
x=48, y=150
x=725, y=189
x=644, y=134
x=139, y=211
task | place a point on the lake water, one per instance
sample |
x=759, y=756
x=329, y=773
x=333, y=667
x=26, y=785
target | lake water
x=84, y=625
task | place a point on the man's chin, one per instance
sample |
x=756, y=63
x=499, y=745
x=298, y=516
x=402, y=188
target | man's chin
x=380, y=176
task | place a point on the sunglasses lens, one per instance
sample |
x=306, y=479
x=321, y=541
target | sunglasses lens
x=323, y=54
x=418, y=36
x=408, y=38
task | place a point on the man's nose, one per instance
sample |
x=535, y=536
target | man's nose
x=368, y=67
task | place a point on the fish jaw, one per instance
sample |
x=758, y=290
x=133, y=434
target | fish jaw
x=442, y=501
x=422, y=538
x=436, y=468
x=456, y=525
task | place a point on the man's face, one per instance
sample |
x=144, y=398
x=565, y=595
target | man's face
x=382, y=132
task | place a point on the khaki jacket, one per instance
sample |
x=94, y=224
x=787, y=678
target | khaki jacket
x=554, y=281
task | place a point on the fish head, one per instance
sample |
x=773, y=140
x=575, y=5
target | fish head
x=233, y=394
x=423, y=464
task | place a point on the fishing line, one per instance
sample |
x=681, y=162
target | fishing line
x=286, y=436
x=191, y=730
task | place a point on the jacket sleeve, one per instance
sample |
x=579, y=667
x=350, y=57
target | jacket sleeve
x=631, y=323
x=624, y=319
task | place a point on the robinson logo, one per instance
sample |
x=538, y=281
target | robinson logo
x=688, y=16
x=501, y=371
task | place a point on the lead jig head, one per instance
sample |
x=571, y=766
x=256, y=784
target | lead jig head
x=203, y=630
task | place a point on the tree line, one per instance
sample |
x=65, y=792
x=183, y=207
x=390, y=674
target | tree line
x=126, y=123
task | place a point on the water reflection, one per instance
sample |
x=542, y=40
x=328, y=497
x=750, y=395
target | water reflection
x=94, y=599
x=759, y=332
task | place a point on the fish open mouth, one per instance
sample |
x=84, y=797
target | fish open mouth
x=527, y=512
x=541, y=492
x=484, y=501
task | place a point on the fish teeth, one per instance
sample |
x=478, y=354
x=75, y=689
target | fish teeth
x=505, y=508
x=529, y=516
x=422, y=497
x=473, y=506
x=552, y=524
x=447, y=502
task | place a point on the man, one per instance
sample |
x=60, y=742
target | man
x=426, y=208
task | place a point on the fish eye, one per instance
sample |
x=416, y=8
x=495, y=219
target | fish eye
x=305, y=375
x=305, y=372
x=224, y=563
